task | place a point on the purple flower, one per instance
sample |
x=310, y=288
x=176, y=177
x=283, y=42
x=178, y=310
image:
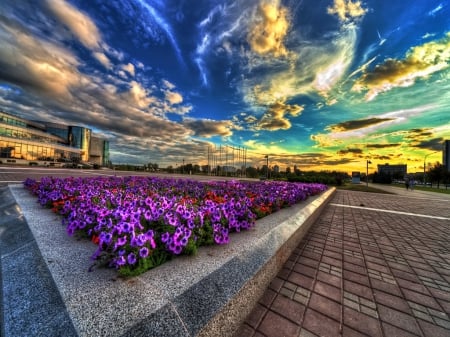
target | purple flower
x=165, y=237
x=131, y=258
x=120, y=261
x=143, y=252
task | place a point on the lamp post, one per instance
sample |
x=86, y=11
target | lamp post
x=267, y=173
x=424, y=166
x=367, y=172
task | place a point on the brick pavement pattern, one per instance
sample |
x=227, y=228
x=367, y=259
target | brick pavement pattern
x=365, y=268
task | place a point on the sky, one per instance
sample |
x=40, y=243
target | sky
x=320, y=84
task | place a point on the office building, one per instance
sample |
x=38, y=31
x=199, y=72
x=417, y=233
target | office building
x=392, y=170
x=25, y=141
x=446, y=155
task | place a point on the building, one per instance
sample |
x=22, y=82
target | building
x=38, y=142
x=394, y=171
x=446, y=155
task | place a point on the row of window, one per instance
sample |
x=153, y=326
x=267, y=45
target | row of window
x=24, y=134
x=12, y=121
x=9, y=149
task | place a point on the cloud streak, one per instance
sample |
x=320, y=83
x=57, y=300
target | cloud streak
x=420, y=62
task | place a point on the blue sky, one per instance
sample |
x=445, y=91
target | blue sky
x=321, y=84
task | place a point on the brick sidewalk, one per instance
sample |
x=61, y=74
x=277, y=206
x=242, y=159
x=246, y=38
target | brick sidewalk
x=368, y=269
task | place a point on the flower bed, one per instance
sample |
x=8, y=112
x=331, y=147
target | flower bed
x=139, y=223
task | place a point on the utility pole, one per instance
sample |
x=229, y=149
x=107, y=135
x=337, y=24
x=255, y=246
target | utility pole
x=367, y=173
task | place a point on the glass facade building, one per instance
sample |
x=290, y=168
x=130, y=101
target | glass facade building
x=23, y=140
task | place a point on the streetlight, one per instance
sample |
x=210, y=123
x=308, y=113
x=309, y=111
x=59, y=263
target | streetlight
x=424, y=166
x=367, y=172
x=267, y=173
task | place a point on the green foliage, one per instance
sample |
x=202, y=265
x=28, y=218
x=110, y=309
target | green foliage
x=205, y=235
x=323, y=177
x=382, y=178
x=157, y=258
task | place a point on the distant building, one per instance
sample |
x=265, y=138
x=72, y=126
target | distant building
x=276, y=169
x=446, y=155
x=26, y=141
x=392, y=170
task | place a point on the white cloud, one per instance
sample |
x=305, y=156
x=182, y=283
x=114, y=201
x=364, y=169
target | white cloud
x=129, y=68
x=81, y=26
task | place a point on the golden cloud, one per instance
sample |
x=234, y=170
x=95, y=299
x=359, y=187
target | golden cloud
x=346, y=10
x=129, y=68
x=420, y=62
x=357, y=124
x=81, y=26
x=37, y=64
x=173, y=97
x=382, y=146
x=139, y=96
x=353, y=151
x=275, y=116
x=208, y=127
x=267, y=34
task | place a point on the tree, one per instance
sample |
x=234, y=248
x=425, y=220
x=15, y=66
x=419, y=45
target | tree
x=437, y=174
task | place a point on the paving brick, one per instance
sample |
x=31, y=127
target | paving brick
x=349, y=332
x=284, y=274
x=305, y=270
x=391, y=301
x=328, y=291
x=333, y=253
x=367, y=303
x=312, y=255
x=289, y=309
x=369, y=311
x=445, y=305
x=355, y=268
x=244, y=331
x=275, y=325
x=398, y=319
x=378, y=267
x=399, y=266
x=289, y=264
x=417, y=287
x=325, y=306
x=306, y=333
x=421, y=299
x=290, y=286
x=442, y=323
x=331, y=261
x=320, y=325
x=361, y=322
x=351, y=304
x=411, y=255
x=268, y=297
x=422, y=315
x=377, y=260
x=301, y=280
x=390, y=330
x=255, y=317
x=287, y=292
x=433, y=330
x=419, y=265
x=276, y=284
x=330, y=279
x=358, y=289
x=357, y=278
x=308, y=262
x=409, y=276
